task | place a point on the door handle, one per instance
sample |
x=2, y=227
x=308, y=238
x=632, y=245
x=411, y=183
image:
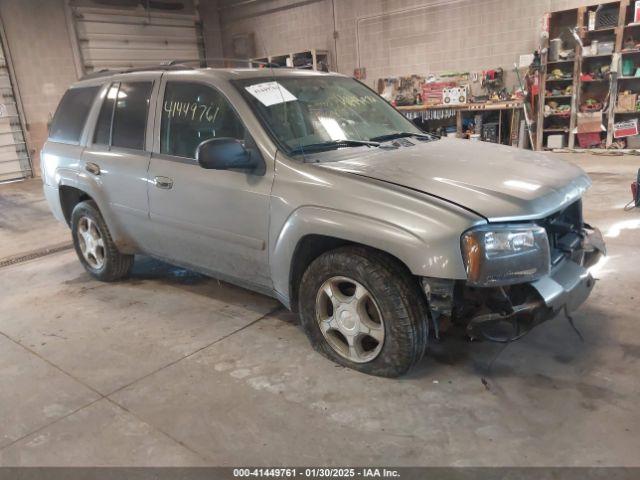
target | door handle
x=163, y=182
x=92, y=168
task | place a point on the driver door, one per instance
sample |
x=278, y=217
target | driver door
x=210, y=220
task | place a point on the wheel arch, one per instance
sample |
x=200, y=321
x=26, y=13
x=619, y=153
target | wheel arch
x=69, y=198
x=72, y=193
x=312, y=246
x=311, y=231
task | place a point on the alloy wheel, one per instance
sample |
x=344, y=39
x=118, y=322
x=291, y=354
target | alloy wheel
x=91, y=242
x=350, y=319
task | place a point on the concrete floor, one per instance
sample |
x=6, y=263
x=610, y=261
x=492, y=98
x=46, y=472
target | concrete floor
x=172, y=368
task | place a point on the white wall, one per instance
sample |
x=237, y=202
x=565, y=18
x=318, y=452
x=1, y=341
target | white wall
x=40, y=47
x=397, y=37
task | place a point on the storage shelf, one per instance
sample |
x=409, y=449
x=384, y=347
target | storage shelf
x=601, y=30
x=471, y=107
x=600, y=55
x=555, y=62
x=313, y=59
x=609, y=31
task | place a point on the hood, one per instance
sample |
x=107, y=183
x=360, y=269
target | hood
x=500, y=183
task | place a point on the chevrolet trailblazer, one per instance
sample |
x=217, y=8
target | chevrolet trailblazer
x=310, y=188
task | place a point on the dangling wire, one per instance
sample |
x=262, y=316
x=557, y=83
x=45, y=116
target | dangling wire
x=573, y=325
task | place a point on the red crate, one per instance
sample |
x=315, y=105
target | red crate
x=432, y=92
x=587, y=140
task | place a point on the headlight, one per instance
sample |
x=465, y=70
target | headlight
x=497, y=255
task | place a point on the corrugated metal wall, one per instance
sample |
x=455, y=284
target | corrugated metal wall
x=120, y=37
x=14, y=158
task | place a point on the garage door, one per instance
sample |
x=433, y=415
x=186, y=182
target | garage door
x=137, y=35
x=14, y=158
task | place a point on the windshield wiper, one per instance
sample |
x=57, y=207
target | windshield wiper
x=395, y=135
x=332, y=144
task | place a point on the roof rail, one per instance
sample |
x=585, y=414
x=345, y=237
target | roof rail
x=205, y=60
x=163, y=66
x=178, y=64
x=97, y=74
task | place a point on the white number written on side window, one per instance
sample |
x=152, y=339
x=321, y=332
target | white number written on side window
x=191, y=111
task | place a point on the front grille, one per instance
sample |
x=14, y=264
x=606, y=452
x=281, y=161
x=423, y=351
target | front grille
x=564, y=229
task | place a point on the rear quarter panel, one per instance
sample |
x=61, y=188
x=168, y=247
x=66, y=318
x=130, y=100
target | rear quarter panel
x=62, y=165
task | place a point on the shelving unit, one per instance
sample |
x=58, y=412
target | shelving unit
x=602, y=89
x=626, y=82
x=311, y=59
x=565, y=88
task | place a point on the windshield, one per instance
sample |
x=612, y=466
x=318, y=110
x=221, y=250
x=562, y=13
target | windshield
x=308, y=112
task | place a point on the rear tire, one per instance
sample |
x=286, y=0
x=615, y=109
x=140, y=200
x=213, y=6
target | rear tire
x=363, y=309
x=95, y=247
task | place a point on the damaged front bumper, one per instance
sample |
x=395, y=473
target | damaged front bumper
x=507, y=313
x=570, y=282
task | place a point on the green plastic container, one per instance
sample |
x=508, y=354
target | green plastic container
x=628, y=67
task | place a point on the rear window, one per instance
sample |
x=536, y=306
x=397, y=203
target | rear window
x=71, y=115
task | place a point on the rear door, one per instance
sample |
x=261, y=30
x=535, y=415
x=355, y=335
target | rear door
x=118, y=151
x=213, y=220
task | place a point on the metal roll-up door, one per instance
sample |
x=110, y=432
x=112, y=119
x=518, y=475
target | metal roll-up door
x=120, y=37
x=14, y=156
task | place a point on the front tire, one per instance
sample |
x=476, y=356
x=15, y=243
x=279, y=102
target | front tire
x=362, y=309
x=95, y=247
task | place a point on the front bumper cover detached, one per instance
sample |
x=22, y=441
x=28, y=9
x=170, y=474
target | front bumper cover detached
x=563, y=290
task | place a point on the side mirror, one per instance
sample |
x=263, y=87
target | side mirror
x=224, y=154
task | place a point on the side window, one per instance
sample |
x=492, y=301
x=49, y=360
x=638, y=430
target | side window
x=71, y=115
x=102, y=132
x=130, y=115
x=193, y=113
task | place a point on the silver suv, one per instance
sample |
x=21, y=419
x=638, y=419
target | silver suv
x=310, y=188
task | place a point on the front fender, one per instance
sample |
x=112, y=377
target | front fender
x=419, y=255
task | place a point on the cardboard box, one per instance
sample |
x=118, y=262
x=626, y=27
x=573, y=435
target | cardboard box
x=590, y=122
x=555, y=141
x=627, y=102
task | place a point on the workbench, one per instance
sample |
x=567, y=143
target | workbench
x=429, y=112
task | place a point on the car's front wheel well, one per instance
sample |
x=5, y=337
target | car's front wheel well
x=311, y=247
x=69, y=198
